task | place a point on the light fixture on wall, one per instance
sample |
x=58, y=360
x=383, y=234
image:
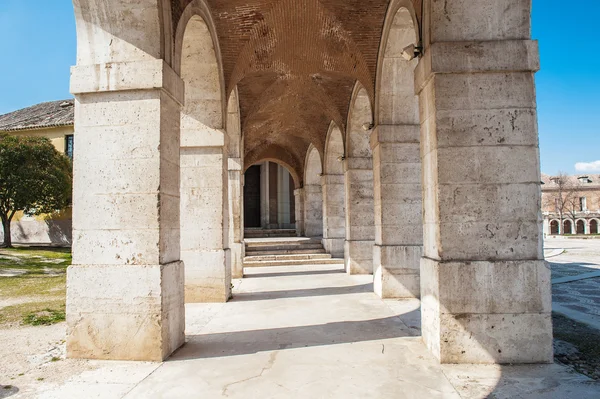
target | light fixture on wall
x=411, y=52
x=368, y=126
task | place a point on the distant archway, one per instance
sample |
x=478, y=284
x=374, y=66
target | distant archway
x=554, y=227
x=580, y=226
x=567, y=227
x=593, y=226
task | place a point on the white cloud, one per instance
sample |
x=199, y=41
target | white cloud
x=588, y=166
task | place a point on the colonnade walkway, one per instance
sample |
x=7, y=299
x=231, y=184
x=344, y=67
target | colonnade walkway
x=314, y=332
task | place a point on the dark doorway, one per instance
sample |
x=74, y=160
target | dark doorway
x=252, y=197
x=554, y=230
x=580, y=227
x=593, y=227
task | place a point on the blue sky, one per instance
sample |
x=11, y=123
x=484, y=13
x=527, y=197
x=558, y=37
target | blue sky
x=37, y=40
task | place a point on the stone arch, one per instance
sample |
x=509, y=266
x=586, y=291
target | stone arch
x=204, y=159
x=104, y=36
x=284, y=164
x=567, y=226
x=334, y=151
x=334, y=202
x=554, y=227
x=594, y=226
x=397, y=161
x=397, y=103
x=580, y=226
x=313, y=194
x=360, y=219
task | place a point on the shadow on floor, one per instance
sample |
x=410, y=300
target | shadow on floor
x=248, y=342
x=303, y=293
x=302, y=273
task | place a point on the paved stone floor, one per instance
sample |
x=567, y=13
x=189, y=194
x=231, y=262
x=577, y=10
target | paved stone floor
x=311, y=332
x=576, y=279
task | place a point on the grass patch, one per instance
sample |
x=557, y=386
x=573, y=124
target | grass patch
x=34, y=313
x=45, y=317
x=34, y=280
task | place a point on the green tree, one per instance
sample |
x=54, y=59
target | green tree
x=34, y=178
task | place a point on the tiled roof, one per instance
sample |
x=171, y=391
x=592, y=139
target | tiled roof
x=44, y=115
x=592, y=181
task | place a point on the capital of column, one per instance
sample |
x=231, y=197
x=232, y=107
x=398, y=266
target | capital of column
x=409, y=134
x=127, y=76
x=299, y=192
x=332, y=179
x=477, y=57
x=358, y=163
x=235, y=164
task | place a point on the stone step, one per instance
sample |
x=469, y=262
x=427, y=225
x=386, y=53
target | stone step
x=272, y=257
x=295, y=251
x=267, y=233
x=282, y=243
x=333, y=261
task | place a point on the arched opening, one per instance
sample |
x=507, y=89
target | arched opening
x=334, y=202
x=204, y=163
x=580, y=225
x=554, y=227
x=360, y=220
x=269, y=201
x=313, y=194
x=593, y=226
x=567, y=227
x=395, y=141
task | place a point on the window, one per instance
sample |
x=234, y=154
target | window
x=69, y=142
x=582, y=204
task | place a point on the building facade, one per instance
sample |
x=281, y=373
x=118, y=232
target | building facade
x=54, y=120
x=409, y=127
x=571, y=204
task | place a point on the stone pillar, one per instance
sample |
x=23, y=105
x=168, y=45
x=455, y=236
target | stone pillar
x=334, y=214
x=313, y=210
x=236, y=223
x=205, y=216
x=485, y=285
x=125, y=287
x=360, y=220
x=299, y=211
x=398, y=201
x=265, y=209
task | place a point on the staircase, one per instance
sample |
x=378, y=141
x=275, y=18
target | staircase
x=286, y=251
x=265, y=233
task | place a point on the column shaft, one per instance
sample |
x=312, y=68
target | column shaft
x=485, y=285
x=299, y=211
x=334, y=215
x=398, y=202
x=313, y=210
x=125, y=287
x=236, y=206
x=360, y=218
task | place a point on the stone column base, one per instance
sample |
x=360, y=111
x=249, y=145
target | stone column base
x=358, y=257
x=487, y=312
x=237, y=260
x=396, y=271
x=207, y=276
x=132, y=312
x=334, y=246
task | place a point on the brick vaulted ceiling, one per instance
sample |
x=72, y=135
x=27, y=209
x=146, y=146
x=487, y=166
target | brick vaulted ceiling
x=295, y=63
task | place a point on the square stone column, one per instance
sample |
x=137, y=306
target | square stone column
x=313, y=210
x=484, y=283
x=299, y=211
x=205, y=215
x=125, y=287
x=334, y=215
x=360, y=218
x=236, y=223
x=398, y=221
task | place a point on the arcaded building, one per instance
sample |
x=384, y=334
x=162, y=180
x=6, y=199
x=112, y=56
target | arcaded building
x=408, y=129
x=571, y=204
